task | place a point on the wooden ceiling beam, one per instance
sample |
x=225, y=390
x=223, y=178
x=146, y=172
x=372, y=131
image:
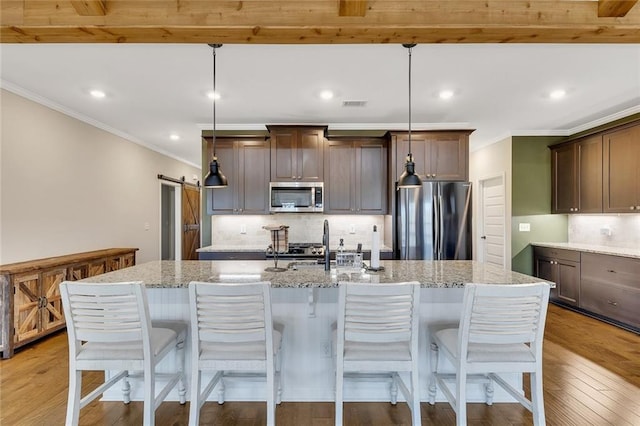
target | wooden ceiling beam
x=316, y=21
x=352, y=8
x=90, y=7
x=614, y=8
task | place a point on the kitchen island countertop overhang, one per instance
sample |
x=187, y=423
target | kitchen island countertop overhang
x=430, y=274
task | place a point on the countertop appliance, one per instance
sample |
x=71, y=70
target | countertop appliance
x=296, y=197
x=301, y=251
x=433, y=222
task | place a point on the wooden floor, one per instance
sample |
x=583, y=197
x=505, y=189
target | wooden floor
x=591, y=377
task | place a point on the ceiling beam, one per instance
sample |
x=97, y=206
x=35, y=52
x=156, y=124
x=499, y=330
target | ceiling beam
x=90, y=7
x=316, y=21
x=352, y=7
x=614, y=8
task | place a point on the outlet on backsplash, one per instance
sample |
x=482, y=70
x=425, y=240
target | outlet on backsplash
x=615, y=230
x=246, y=230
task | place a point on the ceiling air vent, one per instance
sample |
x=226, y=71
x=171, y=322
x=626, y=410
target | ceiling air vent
x=357, y=104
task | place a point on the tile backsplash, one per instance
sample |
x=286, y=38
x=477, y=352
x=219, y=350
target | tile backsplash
x=612, y=230
x=307, y=228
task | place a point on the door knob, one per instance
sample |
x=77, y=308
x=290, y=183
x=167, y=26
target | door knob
x=484, y=237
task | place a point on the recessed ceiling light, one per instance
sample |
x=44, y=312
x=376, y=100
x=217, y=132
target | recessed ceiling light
x=326, y=95
x=557, y=94
x=98, y=94
x=212, y=95
x=174, y=137
x=446, y=94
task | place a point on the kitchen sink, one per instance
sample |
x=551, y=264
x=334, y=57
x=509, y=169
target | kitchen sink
x=307, y=264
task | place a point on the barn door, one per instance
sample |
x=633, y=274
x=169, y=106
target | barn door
x=190, y=221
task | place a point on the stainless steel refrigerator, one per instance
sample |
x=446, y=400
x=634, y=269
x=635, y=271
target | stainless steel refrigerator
x=433, y=222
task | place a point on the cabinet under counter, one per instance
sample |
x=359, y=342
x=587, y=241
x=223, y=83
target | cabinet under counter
x=610, y=286
x=600, y=281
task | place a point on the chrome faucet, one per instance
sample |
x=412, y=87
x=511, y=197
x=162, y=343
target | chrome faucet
x=325, y=242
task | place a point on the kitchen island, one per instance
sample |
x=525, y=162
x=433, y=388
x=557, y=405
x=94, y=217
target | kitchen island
x=305, y=301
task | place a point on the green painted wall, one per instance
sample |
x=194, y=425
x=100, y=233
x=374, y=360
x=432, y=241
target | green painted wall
x=531, y=199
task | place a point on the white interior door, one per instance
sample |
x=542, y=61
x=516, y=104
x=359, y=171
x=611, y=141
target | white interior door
x=170, y=221
x=492, y=221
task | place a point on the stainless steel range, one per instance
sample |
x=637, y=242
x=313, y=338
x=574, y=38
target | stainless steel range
x=300, y=251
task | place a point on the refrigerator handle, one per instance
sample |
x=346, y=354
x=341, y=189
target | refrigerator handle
x=441, y=226
x=463, y=222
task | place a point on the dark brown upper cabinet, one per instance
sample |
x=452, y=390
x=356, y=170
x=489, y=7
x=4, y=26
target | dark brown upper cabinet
x=576, y=169
x=622, y=170
x=297, y=153
x=356, y=176
x=245, y=163
x=441, y=155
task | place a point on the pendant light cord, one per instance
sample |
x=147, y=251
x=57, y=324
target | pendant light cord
x=410, y=155
x=214, y=99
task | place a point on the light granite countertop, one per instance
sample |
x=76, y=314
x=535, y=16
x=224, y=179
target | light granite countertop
x=261, y=248
x=590, y=248
x=430, y=274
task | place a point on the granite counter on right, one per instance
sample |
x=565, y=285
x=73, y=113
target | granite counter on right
x=600, y=281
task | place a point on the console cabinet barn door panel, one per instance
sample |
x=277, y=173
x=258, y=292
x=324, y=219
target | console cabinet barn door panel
x=621, y=177
x=52, y=312
x=26, y=299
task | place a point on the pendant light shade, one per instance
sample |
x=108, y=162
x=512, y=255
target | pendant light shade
x=215, y=178
x=409, y=178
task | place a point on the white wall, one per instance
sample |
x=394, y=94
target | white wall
x=492, y=161
x=67, y=187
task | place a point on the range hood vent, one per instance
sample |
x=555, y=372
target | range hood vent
x=357, y=104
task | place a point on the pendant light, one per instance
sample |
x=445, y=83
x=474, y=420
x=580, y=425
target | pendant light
x=409, y=178
x=215, y=178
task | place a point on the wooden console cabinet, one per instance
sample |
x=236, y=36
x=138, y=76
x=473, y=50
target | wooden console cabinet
x=30, y=303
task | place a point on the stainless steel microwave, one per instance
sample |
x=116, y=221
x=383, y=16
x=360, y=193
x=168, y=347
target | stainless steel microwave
x=296, y=197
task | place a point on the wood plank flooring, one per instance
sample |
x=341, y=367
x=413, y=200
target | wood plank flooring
x=591, y=377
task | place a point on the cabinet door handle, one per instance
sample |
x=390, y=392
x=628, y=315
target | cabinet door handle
x=612, y=303
x=611, y=270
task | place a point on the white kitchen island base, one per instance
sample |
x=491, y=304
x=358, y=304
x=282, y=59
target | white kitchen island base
x=307, y=363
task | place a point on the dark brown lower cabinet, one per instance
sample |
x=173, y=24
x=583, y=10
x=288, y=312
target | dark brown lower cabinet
x=563, y=268
x=30, y=302
x=610, y=286
x=605, y=285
